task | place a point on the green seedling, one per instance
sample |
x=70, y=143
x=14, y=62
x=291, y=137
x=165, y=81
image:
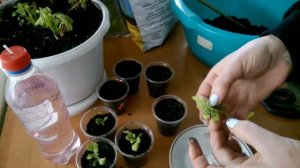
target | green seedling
x=58, y=23
x=101, y=121
x=77, y=4
x=94, y=156
x=208, y=111
x=133, y=139
x=25, y=13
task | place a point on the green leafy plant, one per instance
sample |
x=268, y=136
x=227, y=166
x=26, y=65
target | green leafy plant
x=25, y=13
x=208, y=111
x=77, y=4
x=133, y=139
x=94, y=156
x=58, y=23
x=101, y=121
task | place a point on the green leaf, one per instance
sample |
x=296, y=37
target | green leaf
x=64, y=23
x=90, y=156
x=95, y=163
x=25, y=12
x=135, y=147
x=101, y=121
x=132, y=141
x=93, y=146
x=102, y=161
x=77, y=4
x=208, y=111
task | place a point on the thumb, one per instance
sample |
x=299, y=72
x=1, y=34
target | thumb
x=251, y=134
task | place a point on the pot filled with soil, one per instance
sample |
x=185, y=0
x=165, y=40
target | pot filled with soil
x=169, y=111
x=99, y=152
x=99, y=122
x=129, y=69
x=158, y=75
x=65, y=39
x=113, y=93
x=134, y=141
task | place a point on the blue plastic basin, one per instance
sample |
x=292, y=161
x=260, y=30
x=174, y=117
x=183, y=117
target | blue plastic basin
x=210, y=44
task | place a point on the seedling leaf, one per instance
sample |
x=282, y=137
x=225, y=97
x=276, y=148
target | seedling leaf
x=101, y=121
x=93, y=147
x=133, y=139
x=208, y=111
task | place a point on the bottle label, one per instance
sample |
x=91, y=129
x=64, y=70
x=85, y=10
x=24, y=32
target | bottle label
x=38, y=117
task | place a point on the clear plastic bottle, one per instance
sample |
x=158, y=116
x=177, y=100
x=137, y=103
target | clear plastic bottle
x=36, y=100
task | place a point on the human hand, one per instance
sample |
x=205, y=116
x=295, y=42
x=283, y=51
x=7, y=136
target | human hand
x=247, y=76
x=273, y=151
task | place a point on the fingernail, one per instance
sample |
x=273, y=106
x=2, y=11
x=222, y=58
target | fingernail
x=213, y=100
x=192, y=141
x=231, y=122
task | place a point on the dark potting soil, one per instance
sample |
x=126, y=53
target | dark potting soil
x=125, y=145
x=112, y=90
x=105, y=150
x=41, y=42
x=94, y=129
x=223, y=23
x=169, y=109
x=128, y=69
x=158, y=73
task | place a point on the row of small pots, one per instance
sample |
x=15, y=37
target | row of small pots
x=114, y=91
x=133, y=140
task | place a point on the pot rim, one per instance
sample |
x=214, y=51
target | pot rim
x=128, y=59
x=94, y=111
x=159, y=63
x=84, y=145
x=171, y=97
x=138, y=125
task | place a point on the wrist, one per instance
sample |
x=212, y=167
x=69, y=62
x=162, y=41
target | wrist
x=277, y=49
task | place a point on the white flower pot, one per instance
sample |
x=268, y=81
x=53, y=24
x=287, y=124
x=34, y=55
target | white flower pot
x=78, y=70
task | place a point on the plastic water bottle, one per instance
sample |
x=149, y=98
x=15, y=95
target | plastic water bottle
x=36, y=100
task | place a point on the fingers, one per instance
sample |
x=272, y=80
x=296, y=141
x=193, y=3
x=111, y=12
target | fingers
x=220, y=144
x=252, y=134
x=196, y=155
x=223, y=82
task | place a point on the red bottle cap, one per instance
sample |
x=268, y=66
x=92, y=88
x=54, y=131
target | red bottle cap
x=18, y=60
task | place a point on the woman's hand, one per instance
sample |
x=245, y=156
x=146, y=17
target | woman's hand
x=247, y=76
x=273, y=151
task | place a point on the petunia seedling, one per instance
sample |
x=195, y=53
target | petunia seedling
x=94, y=155
x=208, y=111
x=58, y=23
x=78, y=4
x=133, y=139
x=101, y=121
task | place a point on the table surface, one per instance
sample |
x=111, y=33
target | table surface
x=18, y=150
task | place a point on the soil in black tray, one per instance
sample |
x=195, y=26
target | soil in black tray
x=169, y=109
x=40, y=42
x=128, y=69
x=105, y=150
x=125, y=145
x=98, y=129
x=112, y=90
x=223, y=23
x=158, y=73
